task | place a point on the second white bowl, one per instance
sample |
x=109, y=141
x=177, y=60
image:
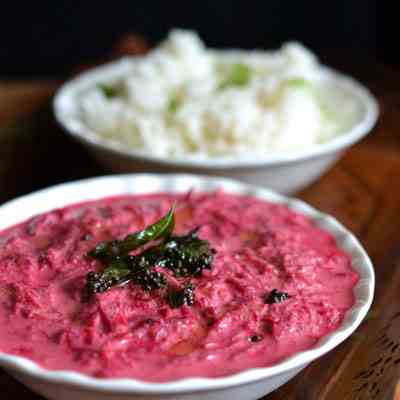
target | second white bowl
x=285, y=172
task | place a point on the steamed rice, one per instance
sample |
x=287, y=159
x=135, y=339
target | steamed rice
x=185, y=100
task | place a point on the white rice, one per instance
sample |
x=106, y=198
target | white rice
x=182, y=100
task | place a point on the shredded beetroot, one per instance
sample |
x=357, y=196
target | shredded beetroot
x=127, y=332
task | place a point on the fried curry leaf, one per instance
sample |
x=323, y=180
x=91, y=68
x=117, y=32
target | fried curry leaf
x=114, y=274
x=276, y=297
x=108, y=250
x=179, y=297
x=121, y=271
x=255, y=338
x=185, y=256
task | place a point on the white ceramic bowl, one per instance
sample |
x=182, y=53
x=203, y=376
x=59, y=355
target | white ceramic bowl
x=246, y=385
x=285, y=172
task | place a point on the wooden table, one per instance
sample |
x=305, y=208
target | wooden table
x=362, y=191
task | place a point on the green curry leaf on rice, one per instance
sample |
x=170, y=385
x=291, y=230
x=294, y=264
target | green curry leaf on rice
x=239, y=75
x=107, y=90
x=173, y=104
x=299, y=83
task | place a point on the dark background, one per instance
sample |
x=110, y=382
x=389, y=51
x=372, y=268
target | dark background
x=48, y=38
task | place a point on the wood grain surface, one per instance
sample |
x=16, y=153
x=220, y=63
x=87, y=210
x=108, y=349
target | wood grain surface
x=362, y=191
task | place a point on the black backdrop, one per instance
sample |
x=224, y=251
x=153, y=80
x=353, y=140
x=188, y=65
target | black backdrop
x=50, y=37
